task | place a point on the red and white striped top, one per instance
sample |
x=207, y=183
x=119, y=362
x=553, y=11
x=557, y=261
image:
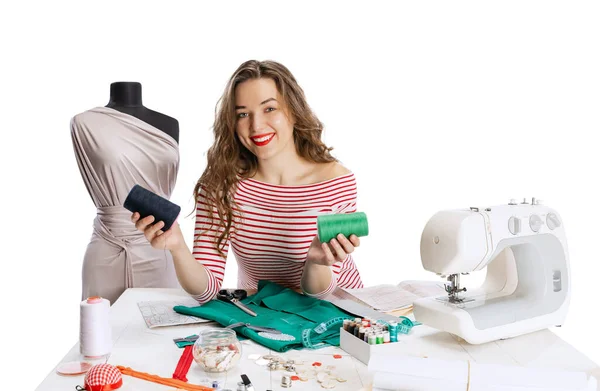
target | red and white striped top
x=271, y=237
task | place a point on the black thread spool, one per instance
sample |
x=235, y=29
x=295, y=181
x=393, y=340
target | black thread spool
x=147, y=203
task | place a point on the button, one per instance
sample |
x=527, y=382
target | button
x=514, y=225
x=535, y=223
x=552, y=221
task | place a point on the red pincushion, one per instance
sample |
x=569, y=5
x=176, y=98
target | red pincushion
x=103, y=377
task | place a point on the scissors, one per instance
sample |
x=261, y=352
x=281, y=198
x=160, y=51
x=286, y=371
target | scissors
x=234, y=298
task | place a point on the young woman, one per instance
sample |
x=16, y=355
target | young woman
x=268, y=177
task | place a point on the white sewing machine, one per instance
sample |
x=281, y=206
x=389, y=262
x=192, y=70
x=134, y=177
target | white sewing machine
x=527, y=285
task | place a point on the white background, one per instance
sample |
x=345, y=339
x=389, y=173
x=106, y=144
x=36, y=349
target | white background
x=433, y=105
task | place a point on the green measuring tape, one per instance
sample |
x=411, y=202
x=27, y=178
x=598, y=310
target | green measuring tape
x=404, y=325
x=320, y=329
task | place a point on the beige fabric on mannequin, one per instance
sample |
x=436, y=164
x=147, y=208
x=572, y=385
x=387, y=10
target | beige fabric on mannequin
x=114, y=152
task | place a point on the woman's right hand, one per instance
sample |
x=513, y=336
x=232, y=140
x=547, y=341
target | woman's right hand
x=170, y=240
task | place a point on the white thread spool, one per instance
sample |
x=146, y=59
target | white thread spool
x=95, y=338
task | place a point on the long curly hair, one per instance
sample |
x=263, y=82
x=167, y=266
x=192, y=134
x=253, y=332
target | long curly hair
x=229, y=161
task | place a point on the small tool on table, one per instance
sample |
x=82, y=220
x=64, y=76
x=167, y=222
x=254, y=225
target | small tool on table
x=255, y=328
x=271, y=330
x=247, y=383
x=234, y=298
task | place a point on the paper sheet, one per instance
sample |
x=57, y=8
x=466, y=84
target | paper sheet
x=388, y=297
x=160, y=313
x=424, y=288
x=427, y=374
x=351, y=304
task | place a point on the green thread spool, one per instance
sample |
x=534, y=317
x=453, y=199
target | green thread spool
x=330, y=226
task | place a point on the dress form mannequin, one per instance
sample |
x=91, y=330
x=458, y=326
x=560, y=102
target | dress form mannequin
x=126, y=97
x=116, y=147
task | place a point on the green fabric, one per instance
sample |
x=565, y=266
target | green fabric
x=277, y=307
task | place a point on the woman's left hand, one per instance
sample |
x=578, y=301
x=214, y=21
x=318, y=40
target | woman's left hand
x=336, y=250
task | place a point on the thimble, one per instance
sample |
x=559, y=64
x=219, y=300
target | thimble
x=286, y=381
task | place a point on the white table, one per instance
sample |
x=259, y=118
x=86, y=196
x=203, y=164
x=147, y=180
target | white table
x=153, y=351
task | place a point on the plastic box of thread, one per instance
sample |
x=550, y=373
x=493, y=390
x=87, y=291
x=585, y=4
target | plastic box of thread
x=364, y=337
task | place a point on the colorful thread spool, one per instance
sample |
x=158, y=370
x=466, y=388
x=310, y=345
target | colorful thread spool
x=329, y=226
x=393, y=329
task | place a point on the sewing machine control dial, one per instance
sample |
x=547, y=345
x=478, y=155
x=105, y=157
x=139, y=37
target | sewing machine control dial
x=552, y=221
x=535, y=223
x=514, y=225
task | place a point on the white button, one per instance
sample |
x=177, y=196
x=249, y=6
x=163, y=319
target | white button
x=552, y=221
x=514, y=225
x=535, y=223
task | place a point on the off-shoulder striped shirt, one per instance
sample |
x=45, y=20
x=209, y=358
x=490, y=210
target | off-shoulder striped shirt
x=271, y=233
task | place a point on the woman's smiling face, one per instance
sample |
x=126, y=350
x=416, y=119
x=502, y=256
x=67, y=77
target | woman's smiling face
x=263, y=125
